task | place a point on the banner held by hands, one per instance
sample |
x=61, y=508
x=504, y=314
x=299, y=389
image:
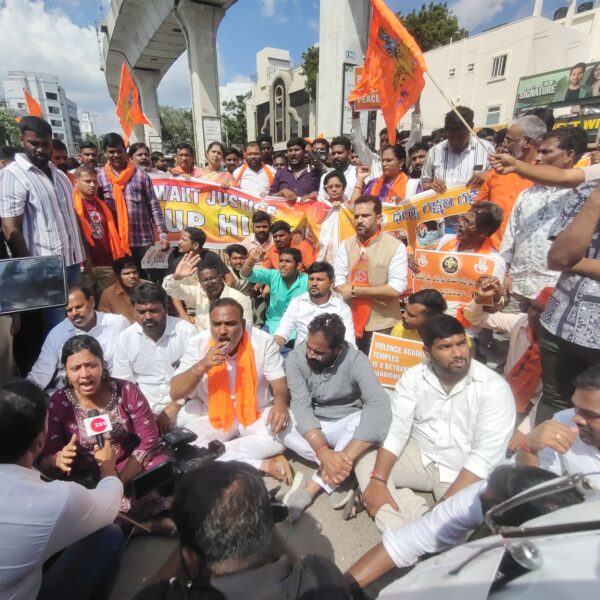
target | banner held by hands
x=394, y=66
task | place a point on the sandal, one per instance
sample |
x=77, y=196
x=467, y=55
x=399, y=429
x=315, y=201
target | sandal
x=354, y=506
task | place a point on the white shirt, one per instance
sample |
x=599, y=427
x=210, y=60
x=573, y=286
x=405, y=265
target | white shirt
x=195, y=297
x=39, y=519
x=349, y=174
x=269, y=367
x=397, y=270
x=302, y=310
x=580, y=458
x=454, y=168
x=446, y=525
x=254, y=182
x=107, y=330
x=469, y=428
x=152, y=364
x=525, y=242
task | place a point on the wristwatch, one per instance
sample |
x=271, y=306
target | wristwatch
x=353, y=292
x=181, y=402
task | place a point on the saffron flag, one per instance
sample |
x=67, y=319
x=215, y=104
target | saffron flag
x=33, y=106
x=129, y=110
x=394, y=67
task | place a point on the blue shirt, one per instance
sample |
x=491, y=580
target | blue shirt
x=281, y=294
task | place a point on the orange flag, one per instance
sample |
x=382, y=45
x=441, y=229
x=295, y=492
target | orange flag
x=33, y=106
x=129, y=110
x=394, y=66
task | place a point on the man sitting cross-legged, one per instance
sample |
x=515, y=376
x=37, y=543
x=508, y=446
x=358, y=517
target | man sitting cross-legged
x=452, y=420
x=339, y=411
x=149, y=351
x=234, y=382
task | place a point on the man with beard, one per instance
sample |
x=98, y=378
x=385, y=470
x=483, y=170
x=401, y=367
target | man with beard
x=254, y=176
x=233, y=381
x=341, y=150
x=266, y=148
x=522, y=141
x=452, y=421
x=60, y=156
x=128, y=192
x=283, y=237
x=299, y=181
x=416, y=159
x=339, y=410
x=116, y=298
x=36, y=207
x=261, y=232
x=184, y=159
x=202, y=295
x=139, y=154
x=81, y=318
x=319, y=299
x=149, y=351
x=88, y=154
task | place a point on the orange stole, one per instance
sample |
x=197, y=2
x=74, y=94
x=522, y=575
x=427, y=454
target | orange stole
x=220, y=401
x=398, y=187
x=118, y=184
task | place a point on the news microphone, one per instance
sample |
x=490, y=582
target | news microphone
x=92, y=414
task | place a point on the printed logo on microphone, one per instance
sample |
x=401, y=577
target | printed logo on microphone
x=97, y=425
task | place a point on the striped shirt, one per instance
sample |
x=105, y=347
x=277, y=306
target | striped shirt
x=49, y=221
x=454, y=168
x=143, y=207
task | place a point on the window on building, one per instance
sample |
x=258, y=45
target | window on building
x=59, y=136
x=493, y=115
x=470, y=67
x=280, y=110
x=56, y=123
x=20, y=105
x=54, y=110
x=498, y=66
x=451, y=73
x=51, y=96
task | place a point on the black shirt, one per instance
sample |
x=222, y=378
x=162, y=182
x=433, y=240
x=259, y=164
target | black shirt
x=212, y=259
x=312, y=578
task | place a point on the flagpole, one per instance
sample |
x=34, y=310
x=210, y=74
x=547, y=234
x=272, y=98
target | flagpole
x=453, y=107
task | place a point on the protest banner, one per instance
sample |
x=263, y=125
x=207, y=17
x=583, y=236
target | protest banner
x=424, y=219
x=391, y=356
x=225, y=214
x=453, y=274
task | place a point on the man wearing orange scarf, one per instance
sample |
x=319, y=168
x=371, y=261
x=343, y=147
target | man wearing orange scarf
x=371, y=273
x=129, y=194
x=99, y=231
x=232, y=387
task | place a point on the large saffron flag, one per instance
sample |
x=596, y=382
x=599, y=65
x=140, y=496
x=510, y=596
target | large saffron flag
x=394, y=66
x=33, y=106
x=129, y=110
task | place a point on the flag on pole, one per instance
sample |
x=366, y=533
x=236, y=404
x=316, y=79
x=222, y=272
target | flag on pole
x=394, y=66
x=33, y=106
x=129, y=110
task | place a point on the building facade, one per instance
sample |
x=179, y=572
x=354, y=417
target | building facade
x=87, y=124
x=57, y=109
x=279, y=104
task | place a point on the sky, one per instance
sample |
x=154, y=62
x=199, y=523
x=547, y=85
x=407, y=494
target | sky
x=59, y=37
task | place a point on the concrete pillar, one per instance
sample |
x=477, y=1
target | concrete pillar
x=147, y=81
x=200, y=23
x=570, y=13
x=343, y=37
x=538, y=7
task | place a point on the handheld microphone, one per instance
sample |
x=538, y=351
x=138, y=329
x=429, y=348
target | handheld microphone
x=96, y=425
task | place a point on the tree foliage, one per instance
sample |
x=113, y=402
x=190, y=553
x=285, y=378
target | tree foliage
x=177, y=127
x=310, y=70
x=234, y=120
x=434, y=25
x=9, y=130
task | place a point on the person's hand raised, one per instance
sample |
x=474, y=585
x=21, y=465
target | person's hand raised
x=187, y=266
x=63, y=459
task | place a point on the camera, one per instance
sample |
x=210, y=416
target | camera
x=318, y=155
x=184, y=458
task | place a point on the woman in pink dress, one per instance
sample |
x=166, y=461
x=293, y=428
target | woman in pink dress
x=214, y=172
x=69, y=451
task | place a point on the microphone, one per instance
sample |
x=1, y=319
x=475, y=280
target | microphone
x=91, y=414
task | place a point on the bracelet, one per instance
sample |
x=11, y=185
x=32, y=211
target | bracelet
x=523, y=446
x=378, y=477
x=314, y=435
x=320, y=446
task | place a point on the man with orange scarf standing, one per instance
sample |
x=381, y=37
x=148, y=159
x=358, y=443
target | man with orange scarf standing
x=128, y=192
x=231, y=386
x=101, y=238
x=371, y=273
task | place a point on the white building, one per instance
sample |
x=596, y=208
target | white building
x=279, y=103
x=483, y=71
x=57, y=109
x=87, y=123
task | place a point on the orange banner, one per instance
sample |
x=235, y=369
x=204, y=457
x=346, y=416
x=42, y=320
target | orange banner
x=391, y=356
x=453, y=274
x=33, y=106
x=394, y=67
x=129, y=109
